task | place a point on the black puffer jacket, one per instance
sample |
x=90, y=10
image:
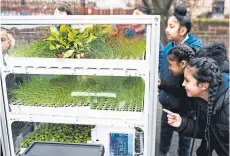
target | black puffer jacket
x=219, y=126
x=179, y=95
x=225, y=67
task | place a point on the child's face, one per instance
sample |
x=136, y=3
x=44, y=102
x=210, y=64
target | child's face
x=177, y=68
x=193, y=89
x=58, y=12
x=4, y=41
x=172, y=30
x=138, y=12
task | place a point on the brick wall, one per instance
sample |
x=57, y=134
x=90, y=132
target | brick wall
x=27, y=35
x=210, y=32
x=207, y=32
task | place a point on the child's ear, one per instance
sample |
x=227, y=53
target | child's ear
x=183, y=64
x=204, y=86
x=183, y=31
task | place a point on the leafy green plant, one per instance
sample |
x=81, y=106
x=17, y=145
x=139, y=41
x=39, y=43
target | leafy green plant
x=74, y=43
x=59, y=133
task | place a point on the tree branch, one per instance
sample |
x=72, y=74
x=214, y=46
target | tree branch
x=168, y=4
x=148, y=5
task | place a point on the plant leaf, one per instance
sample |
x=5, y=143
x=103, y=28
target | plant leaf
x=58, y=46
x=67, y=46
x=64, y=28
x=63, y=34
x=51, y=38
x=71, y=36
x=91, y=38
x=75, y=31
x=54, y=31
x=68, y=53
x=62, y=42
x=52, y=47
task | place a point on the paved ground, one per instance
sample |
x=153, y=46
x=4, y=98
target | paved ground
x=174, y=144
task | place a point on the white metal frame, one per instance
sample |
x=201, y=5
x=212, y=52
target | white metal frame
x=147, y=69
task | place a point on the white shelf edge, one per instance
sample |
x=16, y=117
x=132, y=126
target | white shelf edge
x=76, y=66
x=75, y=115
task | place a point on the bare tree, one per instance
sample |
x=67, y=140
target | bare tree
x=160, y=7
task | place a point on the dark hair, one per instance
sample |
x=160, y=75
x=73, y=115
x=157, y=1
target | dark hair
x=206, y=70
x=181, y=52
x=180, y=12
x=143, y=9
x=64, y=6
x=216, y=51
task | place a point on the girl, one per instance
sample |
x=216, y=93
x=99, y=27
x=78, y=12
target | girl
x=204, y=81
x=178, y=58
x=63, y=7
x=7, y=41
x=177, y=31
x=137, y=29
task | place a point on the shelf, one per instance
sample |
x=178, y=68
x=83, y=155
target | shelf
x=83, y=19
x=75, y=115
x=146, y=69
x=101, y=67
x=21, y=151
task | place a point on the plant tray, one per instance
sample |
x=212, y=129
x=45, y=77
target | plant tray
x=63, y=149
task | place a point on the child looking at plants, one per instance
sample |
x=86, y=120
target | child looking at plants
x=178, y=58
x=7, y=42
x=135, y=29
x=177, y=31
x=208, y=117
x=63, y=7
x=139, y=30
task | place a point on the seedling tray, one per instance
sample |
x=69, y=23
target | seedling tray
x=63, y=149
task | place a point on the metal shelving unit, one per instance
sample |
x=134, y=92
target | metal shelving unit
x=147, y=69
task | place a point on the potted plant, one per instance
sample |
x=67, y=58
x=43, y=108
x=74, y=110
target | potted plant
x=72, y=43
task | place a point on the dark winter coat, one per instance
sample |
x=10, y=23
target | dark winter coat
x=165, y=98
x=219, y=125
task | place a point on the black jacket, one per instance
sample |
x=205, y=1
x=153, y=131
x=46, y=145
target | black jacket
x=219, y=127
x=225, y=67
x=165, y=98
x=179, y=96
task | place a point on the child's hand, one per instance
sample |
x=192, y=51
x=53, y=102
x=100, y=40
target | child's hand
x=174, y=119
